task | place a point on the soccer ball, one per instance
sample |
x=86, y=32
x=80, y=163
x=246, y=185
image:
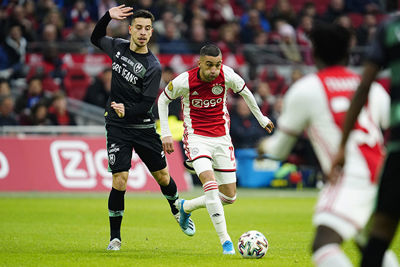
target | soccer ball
x=253, y=244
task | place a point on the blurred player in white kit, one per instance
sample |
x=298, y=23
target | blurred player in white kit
x=318, y=103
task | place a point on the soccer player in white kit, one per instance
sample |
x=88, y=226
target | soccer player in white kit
x=206, y=138
x=317, y=103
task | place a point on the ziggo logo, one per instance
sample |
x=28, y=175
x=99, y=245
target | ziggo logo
x=200, y=103
x=76, y=166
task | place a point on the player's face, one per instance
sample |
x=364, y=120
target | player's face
x=141, y=30
x=210, y=67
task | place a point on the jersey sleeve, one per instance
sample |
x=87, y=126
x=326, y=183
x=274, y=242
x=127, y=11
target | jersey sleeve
x=295, y=110
x=176, y=87
x=233, y=80
x=151, y=83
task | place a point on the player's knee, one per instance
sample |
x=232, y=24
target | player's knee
x=119, y=181
x=162, y=177
x=226, y=200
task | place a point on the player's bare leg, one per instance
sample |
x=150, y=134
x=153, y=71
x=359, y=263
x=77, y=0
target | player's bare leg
x=116, y=207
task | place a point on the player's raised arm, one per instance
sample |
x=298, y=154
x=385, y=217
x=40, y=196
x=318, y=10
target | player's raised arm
x=119, y=13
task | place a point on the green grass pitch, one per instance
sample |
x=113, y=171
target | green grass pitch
x=38, y=229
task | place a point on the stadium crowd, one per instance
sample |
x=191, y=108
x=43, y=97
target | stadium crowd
x=35, y=94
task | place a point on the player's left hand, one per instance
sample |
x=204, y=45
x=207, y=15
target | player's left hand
x=337, y=166
x=119, y=109
x=269, y=127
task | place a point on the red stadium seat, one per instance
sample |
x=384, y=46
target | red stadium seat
x=76, y=83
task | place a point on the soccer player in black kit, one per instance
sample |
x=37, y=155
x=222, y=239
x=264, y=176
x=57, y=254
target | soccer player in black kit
x=136, y=75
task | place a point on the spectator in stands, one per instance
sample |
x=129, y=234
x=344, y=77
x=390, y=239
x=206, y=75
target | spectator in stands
x=58, y=113
x=195, y=9
x=228, y=42
x=275, y=81
x=245, y=129
x=288, y=44
x=79, y=13
x=198, y=38
x=7, y=115
x=104, y=6
x=264, y=98
x=283, y=10
x=295, y=75
x=260, y=7
x=221, y=13
x=149, y=5
x=15, y=47
x=43, y=7
x=55, y=18
x=366, y=30
x=37, y=116
x=99, y=91
x=364, y=6
x=29, y=9
x=5, y=89
x=30, y=97
x=170, y=43
x=308, y=9
x=250, y=29
x=167, y=17
x=18, y=17
x=52, y=62
x=302, y=37
x=80, y=35
x=50, y=34
x=335, y=9
x=345, y=21
x=3, y=24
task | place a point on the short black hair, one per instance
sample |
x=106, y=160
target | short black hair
x=210, y=50
x=331, y=42
x=142, y=13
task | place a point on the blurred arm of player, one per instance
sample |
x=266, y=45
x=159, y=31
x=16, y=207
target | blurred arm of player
x=166, y=136
x=292, y=121
x=264, y=121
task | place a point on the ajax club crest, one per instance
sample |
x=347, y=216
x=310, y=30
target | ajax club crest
x=217, y=89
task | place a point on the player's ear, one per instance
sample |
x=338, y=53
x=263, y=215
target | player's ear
x=130, y=29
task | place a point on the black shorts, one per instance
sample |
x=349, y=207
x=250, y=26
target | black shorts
x=146, y=142
x=389, y=188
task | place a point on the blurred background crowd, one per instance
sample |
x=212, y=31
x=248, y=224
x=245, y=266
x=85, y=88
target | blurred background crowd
x=266, y=41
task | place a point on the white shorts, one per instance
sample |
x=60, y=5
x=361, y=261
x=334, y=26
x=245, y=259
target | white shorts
x=212, y=153
x=346, y=206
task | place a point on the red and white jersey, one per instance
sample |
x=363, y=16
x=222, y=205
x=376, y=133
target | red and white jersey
x=318, y=103
x=204, y=103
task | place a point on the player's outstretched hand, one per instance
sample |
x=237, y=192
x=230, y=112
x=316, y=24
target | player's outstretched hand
x=337, y=166
x=120, y=12
x=168, y=144
x=119, y=109
x=270, y=126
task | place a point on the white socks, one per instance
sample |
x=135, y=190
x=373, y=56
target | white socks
x=331, y=256
x=390, y=259
x=215, y=210
x=200, y=202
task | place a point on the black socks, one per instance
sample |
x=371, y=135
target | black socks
x=115, y=212
x=171, y=194
x=374, y=251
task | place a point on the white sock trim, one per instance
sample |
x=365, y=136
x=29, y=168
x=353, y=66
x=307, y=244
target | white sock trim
x=225, y=199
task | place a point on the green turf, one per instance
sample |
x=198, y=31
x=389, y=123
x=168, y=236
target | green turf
x=39, y=229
